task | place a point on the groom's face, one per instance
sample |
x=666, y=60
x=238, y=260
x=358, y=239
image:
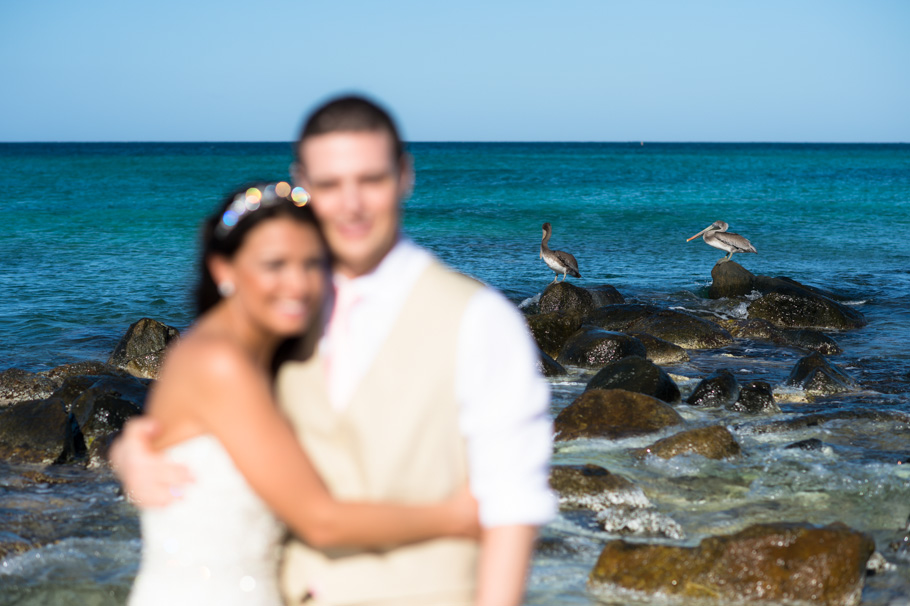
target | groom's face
x=356, y=186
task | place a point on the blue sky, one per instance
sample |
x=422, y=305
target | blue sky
x=573, y=70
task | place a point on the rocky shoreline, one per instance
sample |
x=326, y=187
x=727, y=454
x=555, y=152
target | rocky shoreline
x=625, y=353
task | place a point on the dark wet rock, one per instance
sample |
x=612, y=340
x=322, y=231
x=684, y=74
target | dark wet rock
x=552, y=330
x=819, y=377
x=593, y=487
x=681, y=328
x=606, y=295
x=801, y=422
x=755, y=398
x=636, y=374
x=592, y=347
x=661, y=352
x=614, y=414
x=140, y=351
x=18, y=385
x=640, y=522
x=802, y=338
x=765, y=563
x=714, y=442
x=76, y=369
x=730, y=279
x=105, y=406
x=789, y=304
x=567, y=298
x=39, y=431
x=549, y=367
x=812, y=340
x=720, y=388
x=99, y=449
x=810, y=444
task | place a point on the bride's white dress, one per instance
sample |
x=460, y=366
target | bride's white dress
x=219, y=544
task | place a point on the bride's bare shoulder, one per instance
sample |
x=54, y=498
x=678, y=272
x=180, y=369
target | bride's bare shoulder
x=200, y=355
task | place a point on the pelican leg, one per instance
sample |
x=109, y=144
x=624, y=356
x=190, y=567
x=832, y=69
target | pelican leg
x=563, y=278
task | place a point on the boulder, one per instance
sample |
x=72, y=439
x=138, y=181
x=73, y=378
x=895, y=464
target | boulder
x=17, y=385
x=636, y=374
x=798, y=338
x=764, y=563
x=755, y=398
x=592, y=347
x=83, y=368
x=605, y=295
x=567, y=298
x=613, y=414
x=552, y=330
x=681, y=328
x=141, y=350
x=801, y=422
x=818, y=377
x=105, y=406
x=593, y=487
x=720, y=388
x=714, y=442
x=39, y=431
x=788, y=304
x=661, y=352
x=547, y=366
x=810, y=444
x=730, y=279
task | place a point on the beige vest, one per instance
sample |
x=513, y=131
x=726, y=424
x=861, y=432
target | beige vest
x=398, y=440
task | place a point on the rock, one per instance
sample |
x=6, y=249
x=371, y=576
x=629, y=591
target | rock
x=83, y=368
x=72, y=388
x=661, y=352
x=593, y=487
x=755, y=398
x=730, y=279
x=552, y=330
x=141, y=350
x=720, y=388
x=106, y=405
x=714, y=442
x=639, y=521
x=810, y=444
x=613, y=414
x=681, y=328
x=816, y=419
x=605, y=295
x=593, y=347
x=18, y=385
x=812, y=340
x=818, y=377
x=803, y=338
x=765, y=563
x=99, y=449
x=566, y=297
x=547, y=366
x=636, y=374
x=789, y=304
x=39, y=431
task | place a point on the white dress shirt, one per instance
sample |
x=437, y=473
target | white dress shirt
x=503, y=401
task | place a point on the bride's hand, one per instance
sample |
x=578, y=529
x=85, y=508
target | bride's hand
x=465, y=514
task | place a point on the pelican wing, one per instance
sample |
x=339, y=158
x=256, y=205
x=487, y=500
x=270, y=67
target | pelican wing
x=569, y=261
x=735, y=242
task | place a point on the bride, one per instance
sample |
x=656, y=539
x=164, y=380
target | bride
x=264, y=272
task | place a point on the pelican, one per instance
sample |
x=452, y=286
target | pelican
x=559, y=261
x=716, y=235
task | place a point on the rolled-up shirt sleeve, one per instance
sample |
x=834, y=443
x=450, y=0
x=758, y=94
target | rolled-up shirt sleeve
x=504, y=414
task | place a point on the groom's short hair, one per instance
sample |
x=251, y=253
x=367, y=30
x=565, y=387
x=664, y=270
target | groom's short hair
x=351, y=113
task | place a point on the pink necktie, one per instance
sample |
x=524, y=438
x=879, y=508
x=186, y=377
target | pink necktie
x=339, y=330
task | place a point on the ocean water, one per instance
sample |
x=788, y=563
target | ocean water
x=96, y=236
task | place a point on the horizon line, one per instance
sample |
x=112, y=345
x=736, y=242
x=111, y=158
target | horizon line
x=623, y=142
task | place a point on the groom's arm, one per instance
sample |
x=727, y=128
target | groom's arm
x=504, y=416
x=149, y=478
x=505, y=553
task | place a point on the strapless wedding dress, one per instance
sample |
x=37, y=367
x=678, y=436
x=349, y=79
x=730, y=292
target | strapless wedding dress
x=219, y=544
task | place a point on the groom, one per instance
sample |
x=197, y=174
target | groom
x=423, y=379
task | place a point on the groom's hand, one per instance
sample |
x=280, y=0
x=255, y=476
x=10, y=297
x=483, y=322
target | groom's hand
x=149, y=478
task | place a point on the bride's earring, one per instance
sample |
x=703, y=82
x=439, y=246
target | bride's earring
x=226, y=288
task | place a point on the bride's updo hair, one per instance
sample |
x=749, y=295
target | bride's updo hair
x=243, y=209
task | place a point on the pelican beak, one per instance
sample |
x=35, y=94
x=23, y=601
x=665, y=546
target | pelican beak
x=698, y=234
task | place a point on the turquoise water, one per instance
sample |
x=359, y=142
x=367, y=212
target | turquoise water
x=96, y=236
